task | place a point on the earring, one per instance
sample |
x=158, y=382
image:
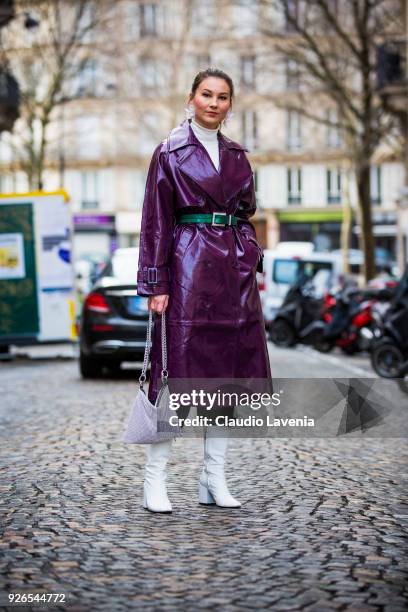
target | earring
x=228, y=117
x=190, y=111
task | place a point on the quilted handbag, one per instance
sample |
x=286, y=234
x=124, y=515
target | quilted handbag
x=149, y=423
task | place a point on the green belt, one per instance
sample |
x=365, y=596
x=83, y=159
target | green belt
x=213, y=218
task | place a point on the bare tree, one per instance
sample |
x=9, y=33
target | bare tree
x=334, y=44
x=45, y=61
x=155, y=75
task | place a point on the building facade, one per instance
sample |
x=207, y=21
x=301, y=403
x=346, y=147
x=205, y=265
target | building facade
x=132, y=89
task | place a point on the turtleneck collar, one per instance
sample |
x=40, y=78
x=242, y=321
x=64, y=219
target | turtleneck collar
x=202, y=132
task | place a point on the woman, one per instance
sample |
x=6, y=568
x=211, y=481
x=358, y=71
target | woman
x=201, y=270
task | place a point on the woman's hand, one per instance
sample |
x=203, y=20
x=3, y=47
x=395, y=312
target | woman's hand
x=158, y=303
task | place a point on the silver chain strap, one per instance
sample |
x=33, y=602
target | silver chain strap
x=164, y=372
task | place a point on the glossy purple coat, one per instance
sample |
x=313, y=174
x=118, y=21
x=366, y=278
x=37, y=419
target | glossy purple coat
x=215, y=326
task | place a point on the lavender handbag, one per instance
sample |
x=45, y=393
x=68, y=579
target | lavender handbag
x=149, y=423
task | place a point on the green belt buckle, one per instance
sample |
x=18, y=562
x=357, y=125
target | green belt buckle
x=215, y=222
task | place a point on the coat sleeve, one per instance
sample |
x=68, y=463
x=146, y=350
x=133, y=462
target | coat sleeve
x=156, y=235
x=246, y=209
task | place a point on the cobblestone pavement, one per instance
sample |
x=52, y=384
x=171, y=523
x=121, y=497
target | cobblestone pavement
x=323, y=523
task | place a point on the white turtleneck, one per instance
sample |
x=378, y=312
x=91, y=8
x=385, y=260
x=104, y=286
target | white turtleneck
x=209, y=139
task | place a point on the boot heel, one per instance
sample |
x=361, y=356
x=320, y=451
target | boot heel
x=204, y=495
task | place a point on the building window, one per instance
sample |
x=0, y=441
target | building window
x=294, y=180
x=333, y=183
x=293, y=130
x=203, y=61
x=249, y=129
x=248, y=71
x=291, y=14
x=89, y=190
x=375, y=180
x=132, y=20
x=8, y=183
x=203, y=18
x=333, y=136
x=292, y=75
x=88, y=136
x=148, y=20
x=245, y=17
x=87, y=79
x=87, y=25
x=148, y=133
x=148, y=73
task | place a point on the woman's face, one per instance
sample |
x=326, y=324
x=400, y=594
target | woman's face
x=211, y=102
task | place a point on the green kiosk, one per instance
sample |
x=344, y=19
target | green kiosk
x=36, y=273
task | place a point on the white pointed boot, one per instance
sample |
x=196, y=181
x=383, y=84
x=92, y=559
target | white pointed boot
x=212, y=487
x=154, y=487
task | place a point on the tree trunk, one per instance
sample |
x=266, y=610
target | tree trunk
x=345, y=233
x=366, y=236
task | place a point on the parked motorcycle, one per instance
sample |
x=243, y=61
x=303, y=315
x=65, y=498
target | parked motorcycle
x=389, y=354
x=350, y=322
x=299, y=317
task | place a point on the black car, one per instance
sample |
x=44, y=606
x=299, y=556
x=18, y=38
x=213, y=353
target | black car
x=114, y=318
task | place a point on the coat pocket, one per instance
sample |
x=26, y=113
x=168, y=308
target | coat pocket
x=182, y=239
x=254, y=244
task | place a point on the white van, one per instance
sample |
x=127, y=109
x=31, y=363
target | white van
x=282, y=267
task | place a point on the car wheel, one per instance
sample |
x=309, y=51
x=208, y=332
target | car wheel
x=89, y=367
x=387, y=360
x=282, y=334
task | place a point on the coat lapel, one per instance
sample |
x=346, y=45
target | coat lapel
x=235, y=169
x=195, y=162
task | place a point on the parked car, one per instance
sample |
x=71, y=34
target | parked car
x=114, y=317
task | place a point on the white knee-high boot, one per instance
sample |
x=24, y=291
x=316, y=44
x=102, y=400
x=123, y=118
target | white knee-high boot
x=212, y=487
x=154, y=487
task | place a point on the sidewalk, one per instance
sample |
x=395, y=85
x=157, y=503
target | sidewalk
x=66, y=350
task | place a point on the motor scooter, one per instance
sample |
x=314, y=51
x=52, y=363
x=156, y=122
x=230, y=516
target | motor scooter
x=389, y=353
x=349, y=321
x=299, y=317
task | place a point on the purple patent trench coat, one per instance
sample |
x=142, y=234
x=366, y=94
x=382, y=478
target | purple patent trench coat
x=214, y=321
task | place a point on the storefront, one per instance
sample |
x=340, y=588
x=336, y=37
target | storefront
x=385, y=233
x=322, y=227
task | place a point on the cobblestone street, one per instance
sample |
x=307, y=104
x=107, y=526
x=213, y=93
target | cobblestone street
x=323, y=523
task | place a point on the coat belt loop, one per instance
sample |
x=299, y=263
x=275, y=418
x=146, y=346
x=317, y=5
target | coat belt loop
x=152, y=276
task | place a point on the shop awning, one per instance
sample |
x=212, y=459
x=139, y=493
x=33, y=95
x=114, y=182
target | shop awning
x=310, y=216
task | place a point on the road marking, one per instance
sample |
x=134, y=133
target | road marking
x=336, y=361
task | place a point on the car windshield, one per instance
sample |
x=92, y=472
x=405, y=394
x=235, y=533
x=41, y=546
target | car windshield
x=288, y=271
